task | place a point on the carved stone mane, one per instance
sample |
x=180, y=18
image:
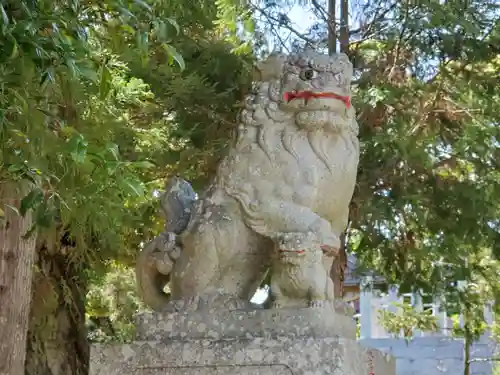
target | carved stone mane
x=264, y=112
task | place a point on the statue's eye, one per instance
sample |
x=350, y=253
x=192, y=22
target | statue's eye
x=307, y=74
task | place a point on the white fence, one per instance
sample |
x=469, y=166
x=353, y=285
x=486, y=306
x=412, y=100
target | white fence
x=436, y=355
x=372, y=301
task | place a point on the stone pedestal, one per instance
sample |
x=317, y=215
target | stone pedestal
x=259, y=342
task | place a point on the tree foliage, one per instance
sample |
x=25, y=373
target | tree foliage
x=404, y=321
x=99, y=105
x=100, y=101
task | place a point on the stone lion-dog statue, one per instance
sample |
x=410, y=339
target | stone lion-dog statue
x=288, y=175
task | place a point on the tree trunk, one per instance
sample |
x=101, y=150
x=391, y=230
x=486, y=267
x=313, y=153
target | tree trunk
x=332, y=27
x=344, y=26
x=57, y=338
x=340, y=263
x=338, y=269
x=467, y=346
x=16, y=271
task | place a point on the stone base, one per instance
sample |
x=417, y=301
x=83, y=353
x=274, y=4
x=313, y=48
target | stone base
x=259, y=342
x=331, y=321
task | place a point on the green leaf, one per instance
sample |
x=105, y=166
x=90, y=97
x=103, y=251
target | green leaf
x=127, y=28
x=127, y=12
x=175, y=55
x=355, y=238
x=142, y=40
x=44, y=216
x=174, y=24
x=15, y=50
x=112, y=167
x=161, y=30
x=78, y=148
x=105, y=85
x=31, y=201
x=144, y=164
x=114, y=150
x=19, y=97
x=88, y=73
x=143, y=5
x=5, y=18
x=249, y=25
x=133, y=186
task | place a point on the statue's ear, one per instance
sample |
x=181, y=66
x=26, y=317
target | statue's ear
x=270, y=68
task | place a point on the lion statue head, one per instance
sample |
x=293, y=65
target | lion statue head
x=312, y=89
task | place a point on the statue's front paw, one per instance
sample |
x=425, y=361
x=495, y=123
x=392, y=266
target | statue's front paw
x=166, y=242
x=329, y=241
x=330, y=244
x=330, y=251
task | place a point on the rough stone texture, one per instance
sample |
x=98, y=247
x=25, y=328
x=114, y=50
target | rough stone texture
x=434, y=355
x=260, y=342
x=222, y=370
x=308, y=356
x=220, y=324
x=296, y=141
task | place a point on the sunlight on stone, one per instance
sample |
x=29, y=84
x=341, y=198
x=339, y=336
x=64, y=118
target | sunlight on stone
x=260, y=295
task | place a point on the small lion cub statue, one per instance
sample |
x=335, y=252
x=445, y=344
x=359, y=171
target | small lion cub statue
x=299, y=277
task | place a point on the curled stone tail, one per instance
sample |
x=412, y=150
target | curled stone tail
x=150, y=282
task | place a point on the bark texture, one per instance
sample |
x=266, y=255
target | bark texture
x=337, y=271
x=57, y=337
x=16, y=269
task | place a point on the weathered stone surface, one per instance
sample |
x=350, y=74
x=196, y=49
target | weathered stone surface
x=286, y=341
x=216, y=324
x=284, y=355
x=221, y=370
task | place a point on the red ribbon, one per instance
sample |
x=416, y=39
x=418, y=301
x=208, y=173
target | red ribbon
x=306, y=95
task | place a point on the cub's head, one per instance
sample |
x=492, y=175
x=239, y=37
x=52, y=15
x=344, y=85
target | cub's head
x=298, y=248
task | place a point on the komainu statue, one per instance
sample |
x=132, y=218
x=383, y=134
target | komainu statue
x=280, y=197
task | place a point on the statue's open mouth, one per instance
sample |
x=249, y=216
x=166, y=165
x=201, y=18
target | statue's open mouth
x=306, y=95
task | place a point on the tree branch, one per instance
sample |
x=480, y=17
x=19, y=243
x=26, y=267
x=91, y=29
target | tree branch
x=283, y=22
